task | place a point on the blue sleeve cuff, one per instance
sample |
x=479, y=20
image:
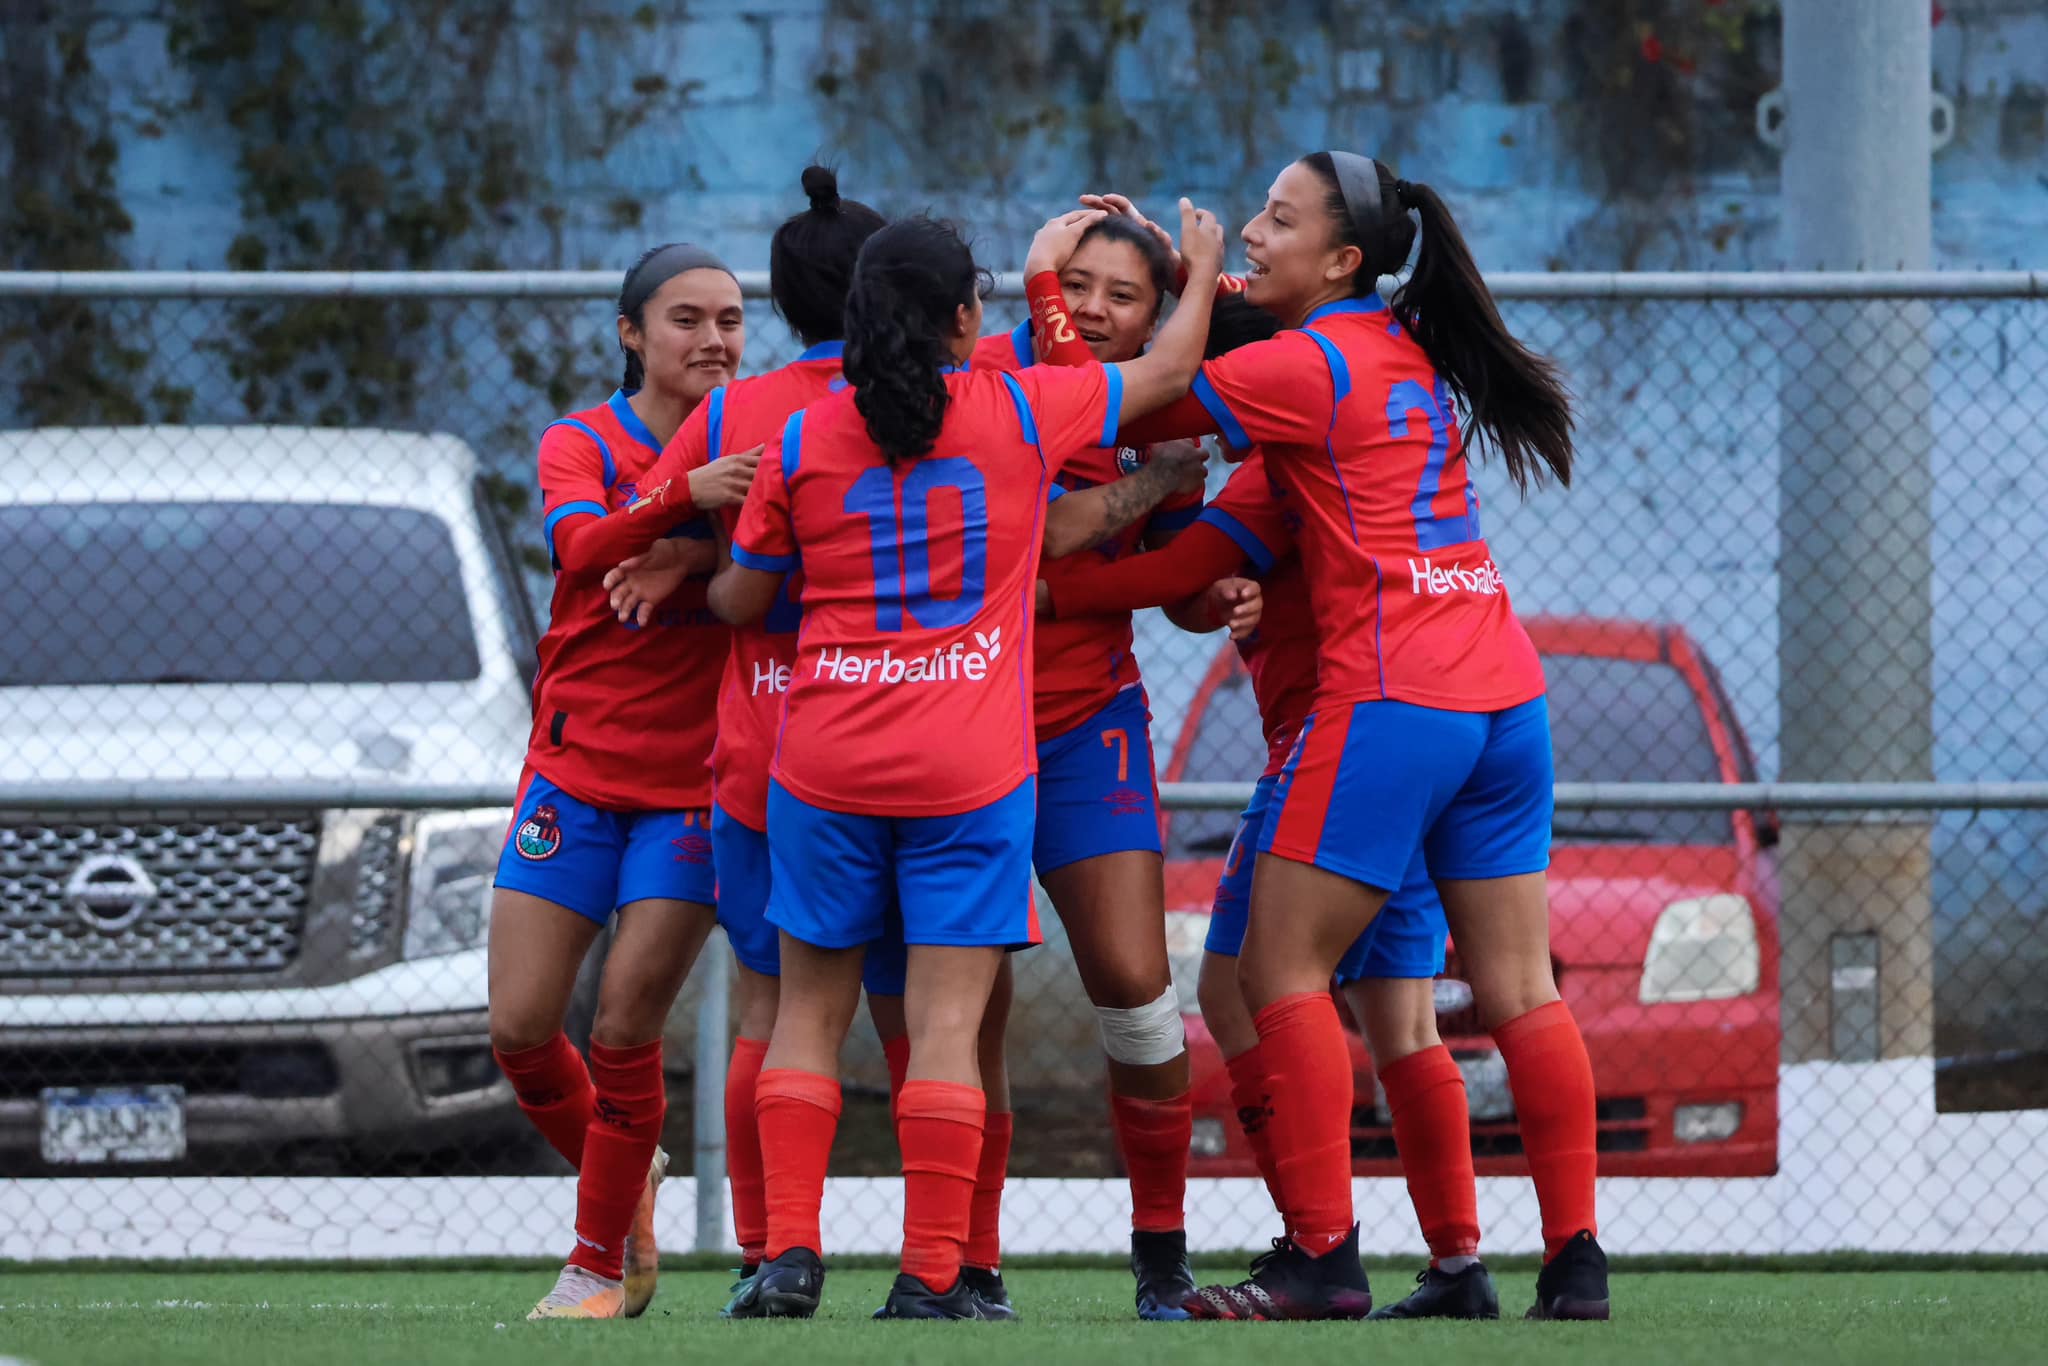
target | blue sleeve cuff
x=1020, y=341
x=1174, y=519
x=1226, y=421
x=1255, y=550
x=555, y=518
x=1053, y=493
x=1112, y=410
x=767, y=564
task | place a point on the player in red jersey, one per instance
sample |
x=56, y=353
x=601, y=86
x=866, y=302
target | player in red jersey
x=903, y=774
x=1387, y=973
x=612, y=815
x=1429, y=730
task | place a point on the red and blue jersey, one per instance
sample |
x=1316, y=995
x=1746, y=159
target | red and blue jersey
x=739, y=417
x=1410, y=605
x=623, y=715
x=1084, y=662
x=911, y=692
x=1259, y=515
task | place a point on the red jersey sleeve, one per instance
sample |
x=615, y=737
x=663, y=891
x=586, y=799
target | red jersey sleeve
x=1004, y=350
x=1073, y=408
x=766, y=538
x=573, y=487
x=1254, y=515
x=1276, y=391
x=1085, y=585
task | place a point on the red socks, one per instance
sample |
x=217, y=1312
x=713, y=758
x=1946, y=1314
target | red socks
x=938, y=1126
x=1433, y=1131
x=618, y=1147
x=743, y=1147
x=1153, y=1137
x=1308, y=1075
x=984, y=1224
x=1552, y=1082
x=798, y=1114
x=553, y=1087
x=896, y=1054
x=1254, y=1115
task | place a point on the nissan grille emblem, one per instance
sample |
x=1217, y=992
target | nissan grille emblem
x=110, y=891
x=1451, y=995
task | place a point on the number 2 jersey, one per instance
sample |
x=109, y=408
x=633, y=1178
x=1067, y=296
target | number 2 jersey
x=1356, y=425
x=911, y=692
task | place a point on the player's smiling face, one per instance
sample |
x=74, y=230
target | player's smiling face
x=1296, y=259
x=695, y=328
x=1109, y=294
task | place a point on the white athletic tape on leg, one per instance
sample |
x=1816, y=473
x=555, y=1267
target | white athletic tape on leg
x=1146, y=1035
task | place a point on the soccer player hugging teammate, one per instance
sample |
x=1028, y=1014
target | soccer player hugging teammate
x=903, y=776
x=612, y=812
x=1429, y=731
x=811, y=259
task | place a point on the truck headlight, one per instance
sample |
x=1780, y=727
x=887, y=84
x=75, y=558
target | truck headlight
x=1186, y=933
x=1703, y=949
x=454, y=855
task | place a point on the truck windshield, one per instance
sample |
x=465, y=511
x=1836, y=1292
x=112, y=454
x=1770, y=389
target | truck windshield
x=128, y=593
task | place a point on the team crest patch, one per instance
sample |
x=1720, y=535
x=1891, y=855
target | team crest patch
x=1129, y=459
x=539, y=836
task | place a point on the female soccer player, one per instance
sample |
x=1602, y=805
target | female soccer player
x=611, y=816
x=903, y=774
x=1429, y=731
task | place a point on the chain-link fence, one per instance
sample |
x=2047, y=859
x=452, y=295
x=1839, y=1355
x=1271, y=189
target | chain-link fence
x=272, y=575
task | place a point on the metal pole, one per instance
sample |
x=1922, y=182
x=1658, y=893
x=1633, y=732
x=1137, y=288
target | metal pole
x=708, y=1090
x=1855, y=651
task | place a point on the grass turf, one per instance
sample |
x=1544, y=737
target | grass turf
x=295, y=1318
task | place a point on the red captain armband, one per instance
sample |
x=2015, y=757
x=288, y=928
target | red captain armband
x=1053, y=338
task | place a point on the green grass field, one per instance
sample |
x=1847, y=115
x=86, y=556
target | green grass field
x=295, y=1318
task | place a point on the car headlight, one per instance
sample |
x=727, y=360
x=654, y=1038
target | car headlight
x=1703, y=949
x=454, y=856
x=1186, y=933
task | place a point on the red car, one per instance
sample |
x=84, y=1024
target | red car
x=1664, y=924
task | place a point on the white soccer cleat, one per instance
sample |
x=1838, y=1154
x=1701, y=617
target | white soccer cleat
x=581, y=1294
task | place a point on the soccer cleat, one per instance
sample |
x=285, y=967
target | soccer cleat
x=1573, y=1284
x=1466, y=1294
x=1287, y=1283
x=911, y=1298
x=1160, y=1262
x=641, y=1258
x=581, y=1294
x=748, y=1269
x=785, y=1287
x=987, y=1285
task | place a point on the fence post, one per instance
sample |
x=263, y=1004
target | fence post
x=708, y=1091
x=1855, y=648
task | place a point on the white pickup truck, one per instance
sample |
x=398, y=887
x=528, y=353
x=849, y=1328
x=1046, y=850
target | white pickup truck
x=282, y=613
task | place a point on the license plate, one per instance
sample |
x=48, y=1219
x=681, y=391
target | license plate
x=108, y=1124
x=1486, y=1087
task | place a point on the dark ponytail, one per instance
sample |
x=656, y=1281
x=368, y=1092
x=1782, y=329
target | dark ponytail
x=655, y=268
x=811, y=256
x=1517, y=398
x=912, y=278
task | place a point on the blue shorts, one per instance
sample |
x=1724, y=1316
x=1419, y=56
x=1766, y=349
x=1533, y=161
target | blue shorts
x=1406, y=939
x=1096, y=791
x=1370, y=784
x=741, y=853
x=838, y=879
x=594, y=861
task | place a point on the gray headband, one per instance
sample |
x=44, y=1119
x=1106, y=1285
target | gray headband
x=658, y=268
x=1358, y=181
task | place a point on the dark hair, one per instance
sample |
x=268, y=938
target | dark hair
x=655, y=268
x=910, y=280
x=1234, y=323
x=1517, y=398
x=1158, y=261
x=811, y=256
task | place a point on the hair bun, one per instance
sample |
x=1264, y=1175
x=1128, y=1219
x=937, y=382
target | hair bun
x=821, y=183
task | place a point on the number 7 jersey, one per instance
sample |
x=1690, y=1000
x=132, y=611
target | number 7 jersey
x=1409, y=603
x=911, y=694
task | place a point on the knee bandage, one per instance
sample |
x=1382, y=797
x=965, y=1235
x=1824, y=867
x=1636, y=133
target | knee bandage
x=1145, y=1035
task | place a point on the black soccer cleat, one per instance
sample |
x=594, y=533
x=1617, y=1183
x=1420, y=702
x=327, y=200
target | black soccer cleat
x=1165, y=1280
x=987, y=1285
x=786, y=1287
x=749, y=1268
x=1466, y=1294
x=1287, y=1283
x=911, y=1298
x=1573, y=1284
